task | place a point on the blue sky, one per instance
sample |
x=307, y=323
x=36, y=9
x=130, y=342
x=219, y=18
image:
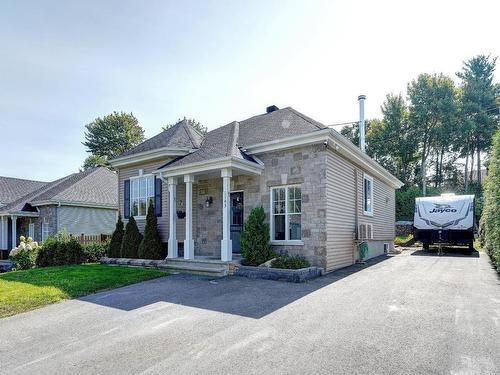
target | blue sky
x=64, y=63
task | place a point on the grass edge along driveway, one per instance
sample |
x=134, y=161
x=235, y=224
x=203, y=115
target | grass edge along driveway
x=22, y=291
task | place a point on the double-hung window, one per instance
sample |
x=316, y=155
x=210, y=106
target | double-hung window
x=286, y=212
x=142, y=193
x=367, y=195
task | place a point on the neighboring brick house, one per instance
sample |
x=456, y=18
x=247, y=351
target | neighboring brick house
x=321, y=194
x=81, y=203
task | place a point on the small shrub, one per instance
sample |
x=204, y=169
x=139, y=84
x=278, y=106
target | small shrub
x=293, y=262
x=24, y=256
x=150, y=246
x=59, y=250
x=93, y=252
x=255, y=242
x=116, y=240
x=131, y=240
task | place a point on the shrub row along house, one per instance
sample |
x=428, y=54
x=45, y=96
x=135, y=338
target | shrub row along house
x=321, y=194
x=81, y=203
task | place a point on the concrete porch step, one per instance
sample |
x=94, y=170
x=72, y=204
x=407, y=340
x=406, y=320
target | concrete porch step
x=196, y=269
x=202, y=262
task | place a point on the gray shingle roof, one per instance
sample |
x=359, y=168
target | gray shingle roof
x=218, y=143
x=15, y=188
x=283, y=123
x=227, y=140
x=180, y=135
x=97, y=186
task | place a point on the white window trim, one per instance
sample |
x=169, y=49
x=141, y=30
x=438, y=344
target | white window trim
x=368, y=178
x=271, y=215
x=140, y=176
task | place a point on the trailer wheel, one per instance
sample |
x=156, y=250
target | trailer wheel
x=426, y=246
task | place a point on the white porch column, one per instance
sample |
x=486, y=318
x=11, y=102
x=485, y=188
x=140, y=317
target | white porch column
x=172, y=222
x=3, y=232
x=14, y=231
x=188, y=242
x=226, y=249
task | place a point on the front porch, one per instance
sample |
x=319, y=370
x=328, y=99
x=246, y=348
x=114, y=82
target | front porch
x=213, y=200
x=12, y=226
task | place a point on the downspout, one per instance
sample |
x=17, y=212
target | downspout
x=356, y=218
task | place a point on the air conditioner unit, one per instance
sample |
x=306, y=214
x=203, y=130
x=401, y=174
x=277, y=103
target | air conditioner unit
x=365, y=231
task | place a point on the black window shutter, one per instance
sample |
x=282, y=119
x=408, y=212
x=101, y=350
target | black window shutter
x=126, y=199
x=157, y=196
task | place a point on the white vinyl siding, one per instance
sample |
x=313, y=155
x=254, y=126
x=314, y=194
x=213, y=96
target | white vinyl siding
x=86, y=220
x=342, y=192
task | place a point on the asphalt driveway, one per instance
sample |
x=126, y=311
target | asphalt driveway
x=408, y=314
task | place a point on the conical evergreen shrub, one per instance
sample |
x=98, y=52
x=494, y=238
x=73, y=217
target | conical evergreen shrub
x=255, y=241
x=151, y=247
x=131, y=240
x=115, y=245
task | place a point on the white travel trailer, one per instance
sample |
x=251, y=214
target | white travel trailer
x=447, y=219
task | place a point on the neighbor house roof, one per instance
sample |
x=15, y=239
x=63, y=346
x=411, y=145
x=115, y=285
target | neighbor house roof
x=96, y=187
x=180, y=135
x=15, y=188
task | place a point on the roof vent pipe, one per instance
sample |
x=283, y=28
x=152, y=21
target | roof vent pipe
x=361, y=100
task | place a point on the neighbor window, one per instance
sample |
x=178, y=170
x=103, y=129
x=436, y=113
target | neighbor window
x=45, y=231
x=142, y=194
x=286, y=208
x=367, y=195
x=31, y=230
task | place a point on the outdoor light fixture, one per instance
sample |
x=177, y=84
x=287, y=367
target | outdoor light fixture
x=209, y=201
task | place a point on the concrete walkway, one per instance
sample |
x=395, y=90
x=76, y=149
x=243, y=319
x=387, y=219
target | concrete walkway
x=408, y=314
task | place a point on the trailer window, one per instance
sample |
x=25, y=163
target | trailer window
x=367, y=195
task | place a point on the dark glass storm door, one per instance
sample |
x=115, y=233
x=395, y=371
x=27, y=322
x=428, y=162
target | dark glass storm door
x=236, y=219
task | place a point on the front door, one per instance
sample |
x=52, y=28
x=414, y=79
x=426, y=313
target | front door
x=236, y=220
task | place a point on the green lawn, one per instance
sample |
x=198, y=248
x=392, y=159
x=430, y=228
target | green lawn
x=27, y=290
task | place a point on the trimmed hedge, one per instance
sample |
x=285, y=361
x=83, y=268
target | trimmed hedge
x=151, y=247
x=115, y=245
x=293, y=262
x=131, y=240
x=93, y=252
x=490, y=219
x=255, y=241
x=60, y=250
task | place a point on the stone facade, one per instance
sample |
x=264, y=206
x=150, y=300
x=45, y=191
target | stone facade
x=304, y=166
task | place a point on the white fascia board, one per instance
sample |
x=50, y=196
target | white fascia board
x=73, y=203
x=20, y=213
x=289, y=142
x=345, y=147
x=149, y=155
x=210, y=165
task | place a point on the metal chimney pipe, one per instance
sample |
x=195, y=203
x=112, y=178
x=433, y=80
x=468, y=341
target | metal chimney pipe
x=361, y=100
